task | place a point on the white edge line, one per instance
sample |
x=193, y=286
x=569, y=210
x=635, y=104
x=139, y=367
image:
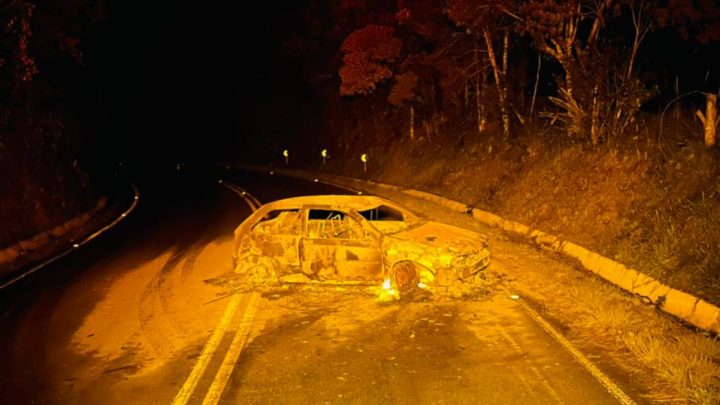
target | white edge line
x=613, y=388
x=136, y=199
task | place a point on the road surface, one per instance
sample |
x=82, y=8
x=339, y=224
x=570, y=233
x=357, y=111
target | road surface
x=150, y=313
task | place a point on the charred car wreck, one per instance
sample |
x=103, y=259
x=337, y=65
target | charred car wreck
x=349, y=239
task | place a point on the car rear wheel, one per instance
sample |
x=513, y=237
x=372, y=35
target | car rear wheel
x=405, y=277
x=257, y=269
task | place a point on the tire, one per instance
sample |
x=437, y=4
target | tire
x=404, y=277
x=257, y=270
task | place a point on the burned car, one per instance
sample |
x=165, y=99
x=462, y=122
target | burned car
x=350, y=239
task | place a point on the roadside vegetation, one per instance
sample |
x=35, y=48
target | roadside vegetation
x=652, y=207
x=41, y=182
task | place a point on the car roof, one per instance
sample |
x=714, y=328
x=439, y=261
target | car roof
x=354, y=202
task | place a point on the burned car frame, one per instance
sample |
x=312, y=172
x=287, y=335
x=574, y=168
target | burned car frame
x=348, y=239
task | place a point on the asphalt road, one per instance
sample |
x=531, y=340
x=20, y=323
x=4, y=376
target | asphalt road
x=149, y=313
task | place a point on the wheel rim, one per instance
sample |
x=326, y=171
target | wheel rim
x=406, y=278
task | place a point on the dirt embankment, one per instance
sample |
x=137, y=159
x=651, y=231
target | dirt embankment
x=653, y=206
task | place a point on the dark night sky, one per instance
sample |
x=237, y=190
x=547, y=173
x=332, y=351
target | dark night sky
x=182, y=77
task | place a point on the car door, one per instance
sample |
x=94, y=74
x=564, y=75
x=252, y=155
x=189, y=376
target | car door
x=275, y=236
x=336, y=246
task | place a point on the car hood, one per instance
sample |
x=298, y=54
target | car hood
x=441, y=236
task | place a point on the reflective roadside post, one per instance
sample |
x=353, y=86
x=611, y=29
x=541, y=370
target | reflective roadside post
x=363, y=158
x=324, y=155
x=286, y=155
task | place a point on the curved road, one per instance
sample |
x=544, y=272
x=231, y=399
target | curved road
x=150, y=313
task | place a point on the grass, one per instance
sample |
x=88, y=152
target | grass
x=686, y=363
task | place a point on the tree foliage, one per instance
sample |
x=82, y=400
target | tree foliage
x=369, y=53
x=693, y=19
x=440, y=56
x=16, y=35
x=33, y=33
x=404, y=89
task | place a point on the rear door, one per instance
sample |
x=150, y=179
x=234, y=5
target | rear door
x=336, y=246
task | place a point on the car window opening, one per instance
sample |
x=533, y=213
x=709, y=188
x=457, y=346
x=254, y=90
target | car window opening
x=331, y=224
x=382, y=213
x=279, y=221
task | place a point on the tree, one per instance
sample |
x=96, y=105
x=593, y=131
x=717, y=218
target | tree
x=693, y=19
x=369, y=53
x=40, y=52
x=483, y=20
x=697, y=21
x=403, y=92
x=15, y=41
x=599, y=93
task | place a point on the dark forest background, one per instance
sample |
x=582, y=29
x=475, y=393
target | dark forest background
x=152, y=79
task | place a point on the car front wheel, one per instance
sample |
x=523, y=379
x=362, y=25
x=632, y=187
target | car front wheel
x=405, y=277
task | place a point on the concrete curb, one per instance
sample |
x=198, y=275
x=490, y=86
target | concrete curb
x=687, y=307
x=12, y=253
x=70, y=226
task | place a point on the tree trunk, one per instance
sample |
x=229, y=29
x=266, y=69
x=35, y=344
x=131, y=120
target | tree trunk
x=505, y=53
x=633, y=55
x=428, y=130
x=567, y=66
x=535, y=88
x=677, y=105
x=499, y=83
x=595, y=118
x=710, y=117
x=412, y=124
x=506, y=114
x=479, y=106
x=641, y=25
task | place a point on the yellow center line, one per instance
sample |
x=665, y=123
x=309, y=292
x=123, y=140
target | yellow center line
x=183, y=396
x=236, y=348
x=210, y=348
x=252, y=197
x=253, y=202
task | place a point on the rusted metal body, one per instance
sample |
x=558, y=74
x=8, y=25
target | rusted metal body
x=354, y=240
